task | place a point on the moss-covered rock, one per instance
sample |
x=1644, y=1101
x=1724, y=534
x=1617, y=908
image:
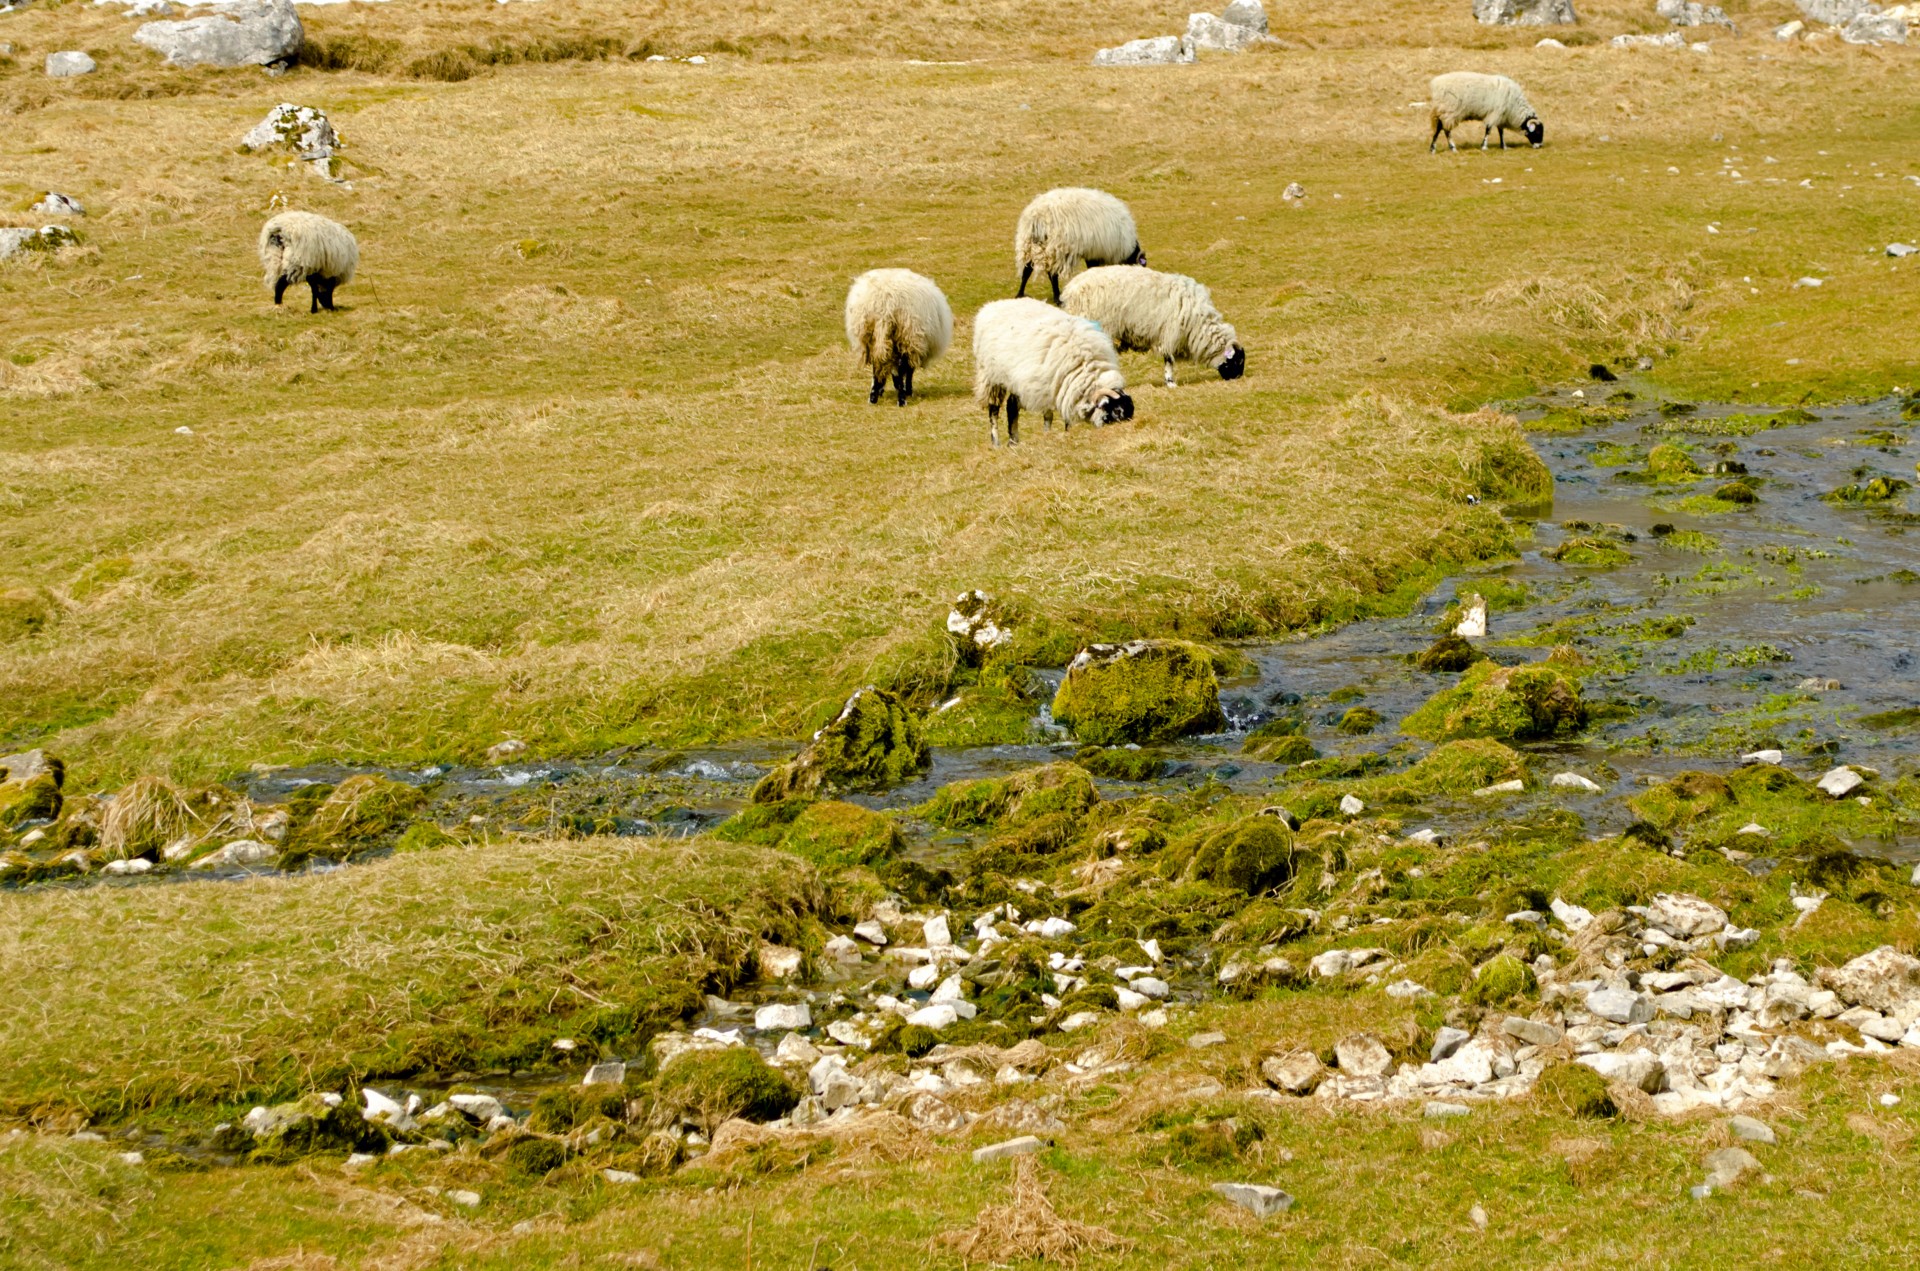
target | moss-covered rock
x=1448, y=654
x=874, y=742
x=1683, y=800
x=1507, y=470
x=1667, y=462
x=534, y=1158
x=308, y=1125
x=902, y=1038
x=35, y=799
x=362, y=813
x=1459, y=767
x=1360, y=720
x=1874, y=490
x=1013, y=801
x=1738, y=492
x=1281, y=748
x=1574, y=1090
x=714, y=1085
x=1591, y=552
x=833, y=835
x=1522, y=702
x=1144, y=691
x=1499, y=980
x=1251, y=855
x=1121, y=763
x=561, y=1109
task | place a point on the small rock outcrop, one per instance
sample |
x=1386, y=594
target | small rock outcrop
x=1160, y=50
x=1690, y=13
x=304, y=131
x=980, y=623
x=69, y=63
x=1524, y=702
x=1525, y=12
x=47, y=238
x=55, y=204
x=267, y=33
x=875, y=741
x=1236, y=28
x=1143, y=691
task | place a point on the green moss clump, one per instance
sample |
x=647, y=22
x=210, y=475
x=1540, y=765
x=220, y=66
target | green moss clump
x=1499, y=980
x=1121, y=763
x=874, y=742
x=1875, y=490
x=1285, y=748
x=561, y=1109
x=1508, y=471
x=902, y=1038
x=360, y=814
x=1360, y=721
x=310, y=1125
x=35, y=799
x=1146, y=691
x=424, y=836
x=1214, y=1143
x=1594, y=553
x=1458, y=767
x=715, y=1085
x=1448, y=654
x=1667, y=462
x=1736, y=492
x=833, y=835
x=1013, y=801
x=534, y=1158
x=1683, y=800
x=1251, y=855
x=1523, y=702
x=1575, y=1090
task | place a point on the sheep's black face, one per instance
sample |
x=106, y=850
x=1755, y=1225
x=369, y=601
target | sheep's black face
x=1139, y=256
x=1112, y=409
x=1236, y=364
x=1536, y=133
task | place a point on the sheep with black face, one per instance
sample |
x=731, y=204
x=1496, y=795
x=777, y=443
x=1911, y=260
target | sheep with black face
x=897, y=321
x=300, y=247
x=1066, y=230
x=1028, y=353
x=1496, y=101
x=1169, y=314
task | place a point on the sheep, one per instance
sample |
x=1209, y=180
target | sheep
x=897, y=321
x=1494, y=100
x=1064, y=231
x=297, y=246
x=1027, y=353
x=1169, y=314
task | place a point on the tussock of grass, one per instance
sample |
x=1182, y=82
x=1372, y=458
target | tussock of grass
x=1028, y=1226
x=259, y=989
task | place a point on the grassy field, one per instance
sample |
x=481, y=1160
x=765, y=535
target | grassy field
x=584, y=459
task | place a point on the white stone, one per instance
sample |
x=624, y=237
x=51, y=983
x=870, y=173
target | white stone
x=971, y=619
x=1152, y=947
x=1622, y=1006
x=1515, y=786
x=1447, y=1040
x=1547, y=43
x=1525, y=12
x=1884, y=979
x=1407, y=990
x=1574, y=781
x=1297, y=1073
x=938, y=933
x=1246, y=13
x=1258, y=1200
x=1051, y=928
x=1128, y=1000
x=1787, y=30
x=1205, y=31
x=1685, y=917
x=309, y=134
x=1773, y=757
x=952, y=989
x=924, y=977
x=611, y=1073
x=58, y=205
x=464, y=1198
x=1893, y=249
x=943, y=1015
x=842, y=949
x=257, y=34
x=481, y=1107
x=1150, y=986
x=1161, y=50
x=69, y=63
x=1025, y=1145
x=1079, y=1020
x=1335, y=962
x=135, y=865
x=1572, y=917
x=359, y=1160
x=1351, y=806
x=380, y=1107
x=1752, y=1130
x=1473, y=622
x=1437, y=1110
x=1671, y=40
x=783, y=1015
x=1841, y=782
x=238, y=852
x=779, y=962
x=871, y=931
x=1875, y=28
x=1641, y=1069
x=1362, y=1055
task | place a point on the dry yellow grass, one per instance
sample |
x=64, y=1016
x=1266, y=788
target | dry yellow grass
x=583, y=456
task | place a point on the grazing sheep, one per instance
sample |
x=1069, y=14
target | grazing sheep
x=897, y=321
x=1494, y=100
x=1064, y=231
x=299, y=246
x=1026, y=353
x=1169, y=314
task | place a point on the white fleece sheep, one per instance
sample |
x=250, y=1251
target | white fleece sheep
x=1168, y=314
x=1065, y=230
x=897, y=321
x=1494, y=100
x=302, y=247
x=1027, y=353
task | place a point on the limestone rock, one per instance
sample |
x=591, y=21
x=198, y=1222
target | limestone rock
x=1205, y=31
x=47, y=238
x=1751, y=1129
x=1837, y=12
x=1143, y=691
x=979, y=621
x=1884, y=979
x=1685, y=917
x=266, y=33
x=1641, y=1069
x=783, y=1016
x=1298, y=1073
x=71, y=62
x=1840, y=782
x=875, y=741
x=1161, y=50
x=1525, y=12
x=310, y=135
x=611, y=1073
x=1258, y=1200
x=1728, y=1166
x=1362, y=1055
x=1621, y=1006
x=1875, y=28
x=1025, y=1145
x=1531, y=1031
x=1447, y=1040
x=1574, y=781
x=55, y=205
x=1249, y=13
x=1671, y=40
x=1690, y=13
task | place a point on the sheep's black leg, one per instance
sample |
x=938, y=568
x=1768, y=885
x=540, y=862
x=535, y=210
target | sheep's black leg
x=909, y=383
x=1013, y=420
x=280, y=288
x=1054, y=280
x=1503, y=136
x=313, y=286
x=1026, y=272
x=900, y=386
x=326, y=295
x=879, y=387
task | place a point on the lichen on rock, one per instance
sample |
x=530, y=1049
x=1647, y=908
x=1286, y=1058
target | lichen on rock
x=874, y=742
x=1142, y=691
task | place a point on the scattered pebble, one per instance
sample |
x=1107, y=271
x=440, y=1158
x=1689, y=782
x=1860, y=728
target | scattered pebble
x=1025, y=1145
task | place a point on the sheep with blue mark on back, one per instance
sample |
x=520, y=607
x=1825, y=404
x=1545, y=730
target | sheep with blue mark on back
x=897, y=321
x=1496, y=101
x=303, y=247
x=1072, y=228
x=1028, y=353
x=1169, y=314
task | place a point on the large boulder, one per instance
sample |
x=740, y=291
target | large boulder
x=874, y=742
x=1248, y=13
x=1875, y=28
x=1525, y=12
x=266, y=33
x=1205, y=31
x=1161, y=50
x=24, y=612
x=1837, y=12
x=1141, y=691
x=1884, y=979
x=1523, y=702
x=1691, y=13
